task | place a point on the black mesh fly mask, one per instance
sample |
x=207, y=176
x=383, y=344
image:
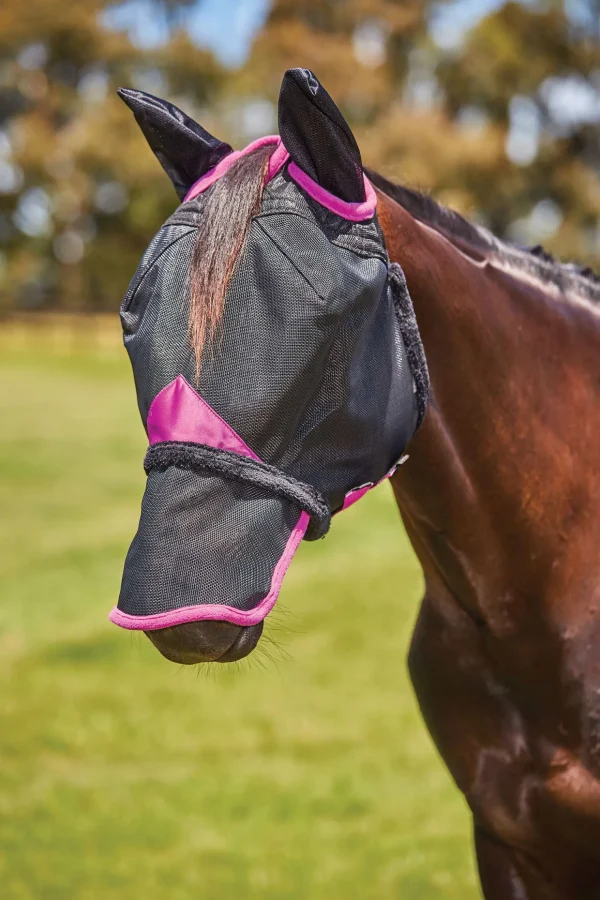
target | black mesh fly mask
x=308, y=397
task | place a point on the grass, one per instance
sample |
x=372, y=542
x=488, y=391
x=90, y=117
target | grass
x=308, y=775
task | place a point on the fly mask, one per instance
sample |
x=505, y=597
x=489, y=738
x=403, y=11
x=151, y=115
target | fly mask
x=310, y=392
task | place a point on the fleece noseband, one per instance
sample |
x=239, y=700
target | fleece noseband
x=203, y=459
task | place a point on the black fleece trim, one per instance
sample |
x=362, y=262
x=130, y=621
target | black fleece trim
x=201, y=458
x=412, y=339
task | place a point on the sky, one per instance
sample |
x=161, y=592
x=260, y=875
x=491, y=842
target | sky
x=224, y=26
x=227, y=27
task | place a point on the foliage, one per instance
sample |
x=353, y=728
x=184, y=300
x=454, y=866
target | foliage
x=538, y=59
x=502, y=124
x=82, y=193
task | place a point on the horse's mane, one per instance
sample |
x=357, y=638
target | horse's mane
x=534, y=261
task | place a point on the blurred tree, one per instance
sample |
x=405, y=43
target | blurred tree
x=358, y=48
x=80, y=193
x=501, y=122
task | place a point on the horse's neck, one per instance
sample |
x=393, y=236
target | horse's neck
x=506, y=459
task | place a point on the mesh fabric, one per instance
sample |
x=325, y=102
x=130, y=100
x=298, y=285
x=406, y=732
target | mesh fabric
x=203, y=540
x=310, y=369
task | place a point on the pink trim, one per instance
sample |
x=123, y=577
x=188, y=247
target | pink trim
x=215, y=612
x=178, y=413
x=355, y=495
x=277, y=161
x=354, y=212
x=219, y=170
x=358, y=493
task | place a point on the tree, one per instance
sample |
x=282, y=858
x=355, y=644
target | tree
x=483, y=125
x=502, y=125
x=533, y=72
x=80, y=193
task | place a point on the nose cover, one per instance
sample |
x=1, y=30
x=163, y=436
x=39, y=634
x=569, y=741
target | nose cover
x=308, y=396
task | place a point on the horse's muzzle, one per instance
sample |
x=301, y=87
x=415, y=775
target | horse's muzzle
x=206, y=641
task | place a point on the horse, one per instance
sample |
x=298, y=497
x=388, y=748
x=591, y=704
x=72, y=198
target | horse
x=500, y=499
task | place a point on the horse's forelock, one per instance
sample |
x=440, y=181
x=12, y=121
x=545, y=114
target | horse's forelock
x=226, y=215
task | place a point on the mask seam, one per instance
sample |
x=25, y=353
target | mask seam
x=290, y=261
x=128, y=299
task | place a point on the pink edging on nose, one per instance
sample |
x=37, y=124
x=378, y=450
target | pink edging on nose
x=215, y=612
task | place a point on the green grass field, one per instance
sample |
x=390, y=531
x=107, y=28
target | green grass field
x=304, y=772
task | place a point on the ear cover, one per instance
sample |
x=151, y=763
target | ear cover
x=318, y=138
x=183, y=148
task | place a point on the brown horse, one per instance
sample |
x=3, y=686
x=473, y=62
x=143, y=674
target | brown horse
x=501, y=500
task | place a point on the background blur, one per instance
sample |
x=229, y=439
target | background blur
x=493, y=106
x=305, y=772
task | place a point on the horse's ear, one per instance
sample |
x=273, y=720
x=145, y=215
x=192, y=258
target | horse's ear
x=317, y=136
x=183, y=148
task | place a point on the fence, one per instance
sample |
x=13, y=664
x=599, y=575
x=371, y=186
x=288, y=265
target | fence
x=62, y=333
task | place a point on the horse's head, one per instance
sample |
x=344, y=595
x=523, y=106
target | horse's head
x=278, y=367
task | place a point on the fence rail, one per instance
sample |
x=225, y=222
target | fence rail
x=62, y=333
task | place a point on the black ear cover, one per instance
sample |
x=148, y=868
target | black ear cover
x=184, y=149
x=317, y=136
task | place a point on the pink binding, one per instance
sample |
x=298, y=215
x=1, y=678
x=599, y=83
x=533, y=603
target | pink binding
x=358, y=493
x=277, y=161
x=355, y=495
x=353, y=212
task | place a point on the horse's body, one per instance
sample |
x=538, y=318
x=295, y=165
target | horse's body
x=501, y=496
x=501, y=501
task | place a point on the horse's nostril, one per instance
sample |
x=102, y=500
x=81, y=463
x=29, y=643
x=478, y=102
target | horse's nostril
x=197, y=642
